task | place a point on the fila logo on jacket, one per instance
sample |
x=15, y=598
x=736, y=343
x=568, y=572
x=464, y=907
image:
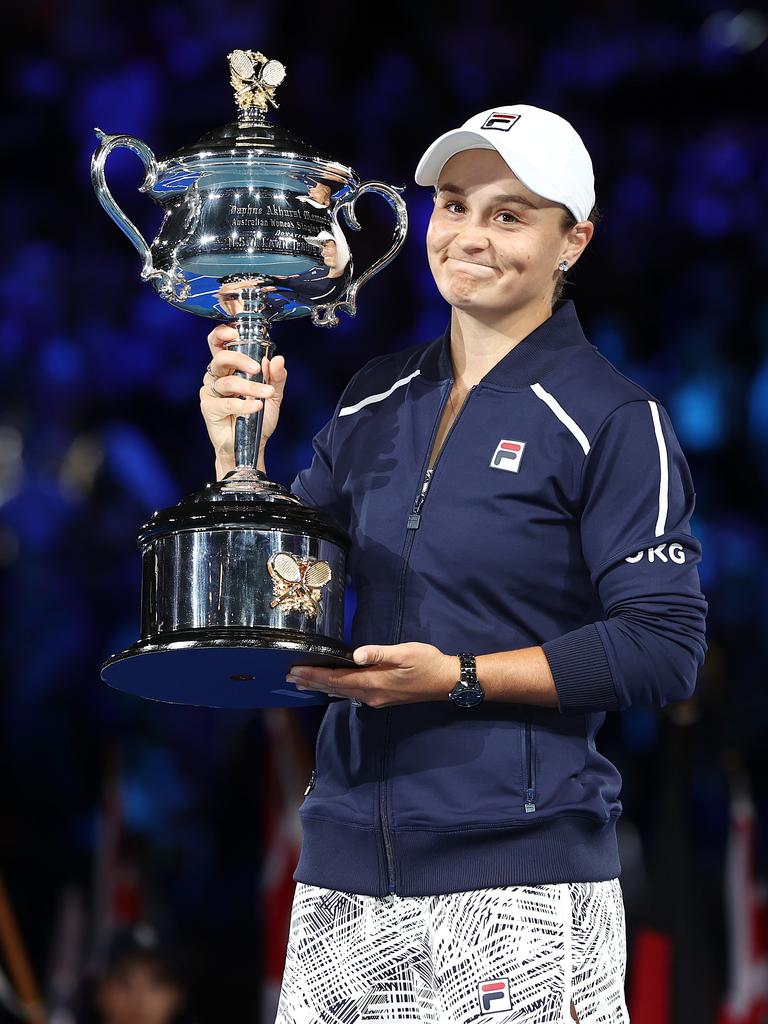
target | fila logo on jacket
x=508, y=455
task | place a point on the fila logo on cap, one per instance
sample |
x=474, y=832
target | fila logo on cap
x=494, y=995
x=501, y=122
x=508, y=455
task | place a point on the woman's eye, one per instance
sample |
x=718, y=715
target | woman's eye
x=452, y=205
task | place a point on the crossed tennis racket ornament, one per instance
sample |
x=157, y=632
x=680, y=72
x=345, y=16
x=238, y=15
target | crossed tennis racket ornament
x=297, y=582
x=253, y=232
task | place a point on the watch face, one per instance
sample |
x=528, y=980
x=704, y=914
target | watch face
x=467, y=698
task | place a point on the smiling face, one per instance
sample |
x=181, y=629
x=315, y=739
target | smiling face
x=493, y=245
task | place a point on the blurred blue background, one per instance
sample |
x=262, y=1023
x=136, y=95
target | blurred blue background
x=100, y=424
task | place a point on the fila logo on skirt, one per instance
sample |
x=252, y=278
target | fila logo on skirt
x=501, y=122
x=494, y=995
x=508, y=455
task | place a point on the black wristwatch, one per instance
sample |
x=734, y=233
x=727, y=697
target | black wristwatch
x=467, y=692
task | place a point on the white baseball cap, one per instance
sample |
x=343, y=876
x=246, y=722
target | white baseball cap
x=543, y=149
x=337, y=236
x=319, y=238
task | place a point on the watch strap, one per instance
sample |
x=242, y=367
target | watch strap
x=467, y=692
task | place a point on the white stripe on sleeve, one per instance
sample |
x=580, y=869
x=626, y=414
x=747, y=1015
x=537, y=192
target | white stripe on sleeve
x=661, y=521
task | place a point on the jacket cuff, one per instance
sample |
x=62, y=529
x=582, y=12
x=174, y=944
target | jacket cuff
x=298, y=490
x=581, y=671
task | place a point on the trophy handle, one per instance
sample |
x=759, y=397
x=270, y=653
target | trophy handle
x=170, y=286
x=325, y=316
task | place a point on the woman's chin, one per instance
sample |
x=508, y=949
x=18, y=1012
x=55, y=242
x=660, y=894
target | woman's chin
x=463, y=296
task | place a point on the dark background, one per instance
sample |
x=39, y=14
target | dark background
x=100, y=424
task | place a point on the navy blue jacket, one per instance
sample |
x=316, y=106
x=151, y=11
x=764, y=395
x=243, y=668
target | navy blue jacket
x=557, y=515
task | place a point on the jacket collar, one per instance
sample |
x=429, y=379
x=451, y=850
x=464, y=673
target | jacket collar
x=526, y=362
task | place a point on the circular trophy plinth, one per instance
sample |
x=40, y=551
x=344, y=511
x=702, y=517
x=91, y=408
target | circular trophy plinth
x=239, y=582
x=238, y=670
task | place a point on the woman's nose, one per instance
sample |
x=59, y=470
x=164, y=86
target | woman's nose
x=472, y=238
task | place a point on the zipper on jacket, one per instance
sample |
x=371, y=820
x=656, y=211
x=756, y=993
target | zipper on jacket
x=414, y=517
x=311, y=785
x=530, y=778
x=411, y=526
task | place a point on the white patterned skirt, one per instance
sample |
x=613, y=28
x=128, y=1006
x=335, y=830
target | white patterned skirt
x=506, y=955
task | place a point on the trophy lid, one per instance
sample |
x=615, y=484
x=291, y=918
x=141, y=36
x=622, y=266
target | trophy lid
x=251, y=135
x=254, y=79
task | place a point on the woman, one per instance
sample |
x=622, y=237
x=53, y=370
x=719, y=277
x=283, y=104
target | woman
x=521, y=551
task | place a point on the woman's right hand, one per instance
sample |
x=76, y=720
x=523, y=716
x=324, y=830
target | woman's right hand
x=220, y=413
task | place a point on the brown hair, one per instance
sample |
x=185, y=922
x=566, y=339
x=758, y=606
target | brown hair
x=568, y=221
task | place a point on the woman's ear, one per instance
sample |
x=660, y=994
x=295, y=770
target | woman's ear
x=580, y=235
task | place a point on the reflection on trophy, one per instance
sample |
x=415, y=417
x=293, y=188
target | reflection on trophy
x=241, y=580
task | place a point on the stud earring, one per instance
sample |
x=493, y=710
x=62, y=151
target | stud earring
x=562, y=265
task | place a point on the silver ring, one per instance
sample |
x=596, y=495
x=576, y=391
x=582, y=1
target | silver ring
x=357, y=703
x=212, y=388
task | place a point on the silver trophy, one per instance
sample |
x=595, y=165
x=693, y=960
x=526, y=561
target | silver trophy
x=241, y=580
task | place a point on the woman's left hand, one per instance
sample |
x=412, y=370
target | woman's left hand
x=396, y=674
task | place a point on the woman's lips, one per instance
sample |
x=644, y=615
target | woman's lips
x=476, y=269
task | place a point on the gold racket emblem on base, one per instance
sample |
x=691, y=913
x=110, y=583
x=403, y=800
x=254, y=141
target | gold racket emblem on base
x=297, y=582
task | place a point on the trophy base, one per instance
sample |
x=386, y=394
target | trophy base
x=204, y=668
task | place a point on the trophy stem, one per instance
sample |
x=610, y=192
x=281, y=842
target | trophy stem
x=252, y=116
x=254, y=340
